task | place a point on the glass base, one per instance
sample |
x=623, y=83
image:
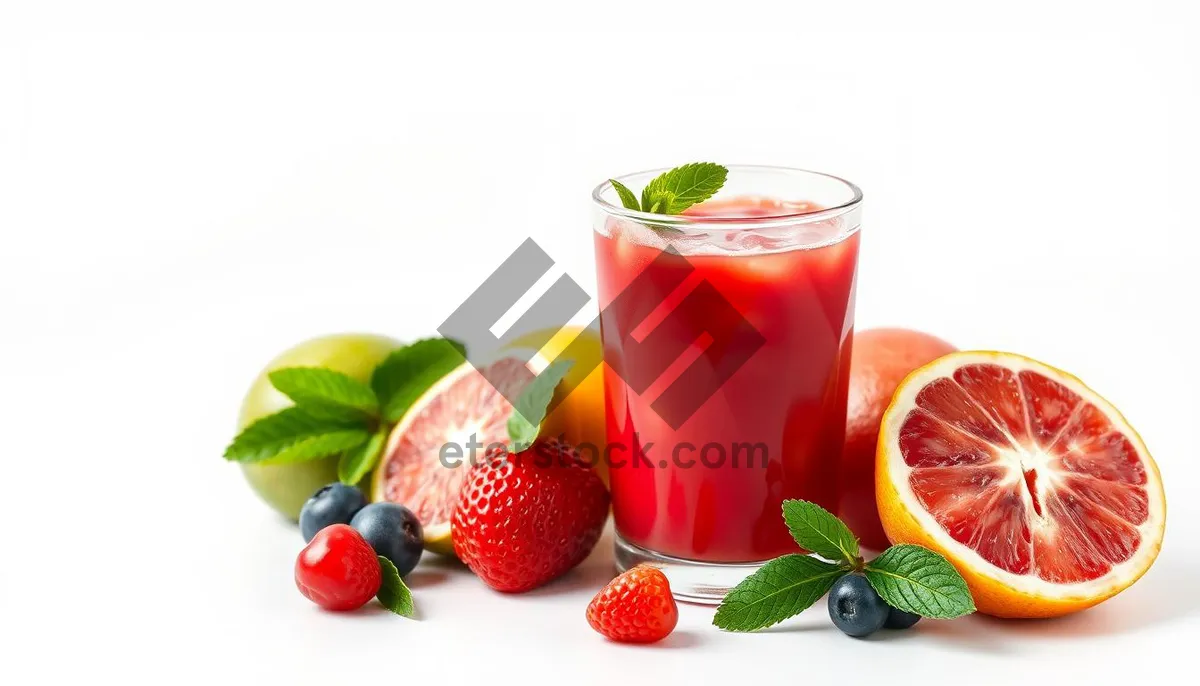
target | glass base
x=691, y=580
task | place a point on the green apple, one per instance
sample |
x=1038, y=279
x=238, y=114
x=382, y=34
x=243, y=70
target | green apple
x=285, y=487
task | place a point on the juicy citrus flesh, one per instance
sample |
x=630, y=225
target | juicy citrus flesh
x=1022, y=476
x=457, y=418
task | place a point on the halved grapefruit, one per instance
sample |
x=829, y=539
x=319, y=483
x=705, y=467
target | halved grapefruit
x=1031, y=484
x=467, y=407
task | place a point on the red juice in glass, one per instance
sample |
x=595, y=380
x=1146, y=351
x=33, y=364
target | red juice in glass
x=776, y=249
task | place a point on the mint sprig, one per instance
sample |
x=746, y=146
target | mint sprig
x=530, y=408
x=356, y=463
x=337, y=415
x=920, y=581
x=907, y=577
x=818, y=530
x=675, y=190
x=294, y=435
x=781, y=588
x=393, y=594
x=678, y=189
x=408, y=372
x=315, y=386
x=628, y=198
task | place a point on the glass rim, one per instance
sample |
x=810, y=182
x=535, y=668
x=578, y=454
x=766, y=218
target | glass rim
x=704, y=224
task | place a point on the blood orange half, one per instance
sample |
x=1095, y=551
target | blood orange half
x=1031, y=484
x=431, y=448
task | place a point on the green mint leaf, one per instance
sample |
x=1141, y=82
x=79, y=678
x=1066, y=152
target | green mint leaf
x=689, y=185
x=662, y=202
x=521, y=433
x=918, y=580
x=394, y=595
x=339, y=413
x=355, y=464
x=295, y=435
x=530, y=408
x=628, y=199
x=781, y=588
x=817, y=530
x=325, y=387
x=408, y=372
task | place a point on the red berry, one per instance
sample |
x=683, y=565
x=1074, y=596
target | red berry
x=338, y=569
x=636, y=607
x=524, y=519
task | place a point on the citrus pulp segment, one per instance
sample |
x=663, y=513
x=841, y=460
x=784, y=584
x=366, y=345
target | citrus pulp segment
x=455, y=421
x=1034, y=486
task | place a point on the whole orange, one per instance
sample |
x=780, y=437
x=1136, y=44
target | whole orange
x=880, y=361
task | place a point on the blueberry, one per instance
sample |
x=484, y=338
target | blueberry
x=899, y=619
x=855, y=607
x=333, y=504
x=393, y=531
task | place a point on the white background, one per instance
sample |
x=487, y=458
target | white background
x=186, y=190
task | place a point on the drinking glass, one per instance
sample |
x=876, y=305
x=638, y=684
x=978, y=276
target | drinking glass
x=727, y=333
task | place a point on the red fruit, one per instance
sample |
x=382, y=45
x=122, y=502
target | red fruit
x=524, y=519
x=880, y=361
x=338, y=569
x=636, y=607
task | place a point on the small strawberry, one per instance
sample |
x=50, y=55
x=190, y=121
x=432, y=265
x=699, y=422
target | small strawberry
x=635, y=607
x=524, y=519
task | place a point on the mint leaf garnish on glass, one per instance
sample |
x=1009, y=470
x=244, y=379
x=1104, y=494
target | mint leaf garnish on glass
x=674, y=191
x=628, y=199
x=335, y=414
x=907, y=577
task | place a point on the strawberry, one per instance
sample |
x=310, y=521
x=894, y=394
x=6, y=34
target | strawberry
x=635, y=607
x=526, y=518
